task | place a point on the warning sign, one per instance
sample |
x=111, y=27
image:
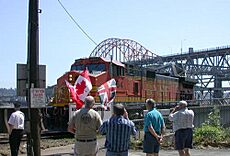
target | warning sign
x=72, y=109
x=37, y=97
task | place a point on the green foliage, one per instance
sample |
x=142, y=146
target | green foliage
x=226, y=135
x=208, y=134
x=136, y=144
x=211, y=131
x=214, y=117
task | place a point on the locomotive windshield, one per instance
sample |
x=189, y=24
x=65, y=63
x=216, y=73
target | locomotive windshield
x=92, y=68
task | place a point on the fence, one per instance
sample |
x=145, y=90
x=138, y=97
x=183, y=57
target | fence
x=200, y=116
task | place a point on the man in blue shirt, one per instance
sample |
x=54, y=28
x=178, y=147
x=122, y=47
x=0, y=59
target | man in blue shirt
x=118, y=130
x=154, y=127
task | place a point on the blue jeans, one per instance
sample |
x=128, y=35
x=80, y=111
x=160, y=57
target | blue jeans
x=108, y=153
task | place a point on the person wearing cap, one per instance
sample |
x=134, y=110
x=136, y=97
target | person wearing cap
x=85, y=124
x=16, y=127
x=118, y=130
x=182, y=119
x=154, y=127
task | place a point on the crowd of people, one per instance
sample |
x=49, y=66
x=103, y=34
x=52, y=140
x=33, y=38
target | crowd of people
x=86, y=123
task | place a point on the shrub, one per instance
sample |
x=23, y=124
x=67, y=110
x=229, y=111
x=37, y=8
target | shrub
x=208, y=134
x=214, y=117
x=211, y=131
x=227, y=135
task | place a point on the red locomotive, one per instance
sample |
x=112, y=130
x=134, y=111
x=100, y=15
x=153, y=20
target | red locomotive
x=134, y=85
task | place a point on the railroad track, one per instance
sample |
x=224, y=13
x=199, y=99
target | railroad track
x=4, y=138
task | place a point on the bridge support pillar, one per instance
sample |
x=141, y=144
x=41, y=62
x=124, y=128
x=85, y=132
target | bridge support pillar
x=218, y=92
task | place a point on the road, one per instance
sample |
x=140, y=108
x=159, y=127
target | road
x=68, y=151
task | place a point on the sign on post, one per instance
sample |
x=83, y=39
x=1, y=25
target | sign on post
x=37, y=97
x=72, y=109
x=22, y=78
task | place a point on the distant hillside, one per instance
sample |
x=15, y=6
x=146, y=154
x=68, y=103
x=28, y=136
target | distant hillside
x=13, y=92
x=9, y=95
x=7, y=92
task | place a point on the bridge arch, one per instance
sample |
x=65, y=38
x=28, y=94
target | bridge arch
x=123, y=50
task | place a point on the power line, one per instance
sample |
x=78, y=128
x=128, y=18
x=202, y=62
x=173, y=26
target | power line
x=76, y=23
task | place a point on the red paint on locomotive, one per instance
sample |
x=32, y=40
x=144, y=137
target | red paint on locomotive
x=134, y=85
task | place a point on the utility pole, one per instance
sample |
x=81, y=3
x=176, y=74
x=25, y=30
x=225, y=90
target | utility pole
x=33, y=148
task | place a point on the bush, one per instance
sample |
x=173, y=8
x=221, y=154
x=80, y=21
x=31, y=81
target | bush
x=211, y=131
x=227, y=135
x=208, y=134
x=214, y=117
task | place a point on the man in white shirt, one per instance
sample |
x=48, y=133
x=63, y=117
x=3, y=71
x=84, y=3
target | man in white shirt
x=16, y=127
x=182, y=119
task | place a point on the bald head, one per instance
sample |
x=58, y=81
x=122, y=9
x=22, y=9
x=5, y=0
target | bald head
x=183, y=103
x=89, y=102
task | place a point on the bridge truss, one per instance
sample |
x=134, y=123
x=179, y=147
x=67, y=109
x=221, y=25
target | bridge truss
x=123, y=50
x=210, y=67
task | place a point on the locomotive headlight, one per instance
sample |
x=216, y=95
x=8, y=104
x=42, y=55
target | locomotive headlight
x=70, y=77
x=70, y=100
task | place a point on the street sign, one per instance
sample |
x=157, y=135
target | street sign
x=72, y=109
x=38, y=97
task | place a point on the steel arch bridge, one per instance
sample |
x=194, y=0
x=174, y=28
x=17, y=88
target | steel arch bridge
x=131, y=52
x=123, y=50
x=210, y=67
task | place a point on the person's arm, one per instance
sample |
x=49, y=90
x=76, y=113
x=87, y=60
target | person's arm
x=175, y=109
x=71, y=128
x=126, y=115
x=163, y=128
x=10, y=128
x=99, y=122
x=10, y=124
x=134, y=132
x=103, y=128
x=153, y=132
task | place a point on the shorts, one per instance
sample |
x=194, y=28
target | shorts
x=183, y=138
x=150, y=144
x=86, y=148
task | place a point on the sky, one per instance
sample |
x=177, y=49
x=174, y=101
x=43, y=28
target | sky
x=161, y=26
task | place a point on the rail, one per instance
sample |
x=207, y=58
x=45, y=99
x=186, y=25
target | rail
x=4, y=137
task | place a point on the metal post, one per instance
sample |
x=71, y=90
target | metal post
x=111, y=66
x=33, y=79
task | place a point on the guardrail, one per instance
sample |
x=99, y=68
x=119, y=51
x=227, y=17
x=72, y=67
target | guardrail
x=201, y=116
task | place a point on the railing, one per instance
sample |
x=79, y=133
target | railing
x=201, y=116
x=199, y=50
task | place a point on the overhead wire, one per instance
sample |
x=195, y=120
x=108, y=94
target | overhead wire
x=76, y=23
